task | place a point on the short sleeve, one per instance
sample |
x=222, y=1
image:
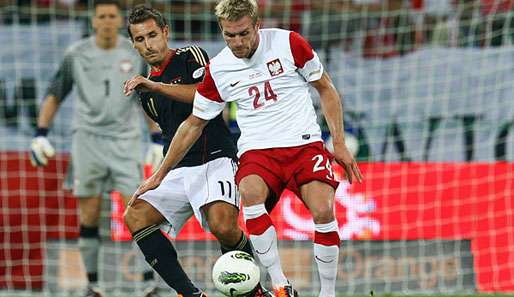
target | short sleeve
x=196, y=62
x=207, y=103
x=305, y=58
x=62, y=82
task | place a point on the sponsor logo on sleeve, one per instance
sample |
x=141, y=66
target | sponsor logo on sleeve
x=198, y=72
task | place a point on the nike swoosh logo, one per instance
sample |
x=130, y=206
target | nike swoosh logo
x=234, y=84
x=232, y=290
x=324, y=261
x=269, y=248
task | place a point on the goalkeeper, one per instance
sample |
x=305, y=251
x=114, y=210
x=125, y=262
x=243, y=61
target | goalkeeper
x=107, y=145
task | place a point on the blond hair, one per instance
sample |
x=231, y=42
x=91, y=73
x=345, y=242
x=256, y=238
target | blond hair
x=234, y=10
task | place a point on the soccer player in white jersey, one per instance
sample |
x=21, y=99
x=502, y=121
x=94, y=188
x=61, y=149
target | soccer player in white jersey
x=267, y=73
x=107, y=141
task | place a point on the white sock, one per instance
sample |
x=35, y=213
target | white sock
x=326, y=255
x=264, y=240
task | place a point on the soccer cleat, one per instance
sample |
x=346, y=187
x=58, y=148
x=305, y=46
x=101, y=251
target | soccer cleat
x=260, y=292
x=199, y=293
x=151, y=292
x=285, y=291
x=93, y=292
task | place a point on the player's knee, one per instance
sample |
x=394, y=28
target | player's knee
x=141, y=214
x=134, y=218
x=130, y=218
x=88, y=220
x=225, y=227
x=252, y=193
x=225, y=232
x=323, y=214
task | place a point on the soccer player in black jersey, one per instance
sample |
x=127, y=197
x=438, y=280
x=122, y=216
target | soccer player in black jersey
x=203, y=183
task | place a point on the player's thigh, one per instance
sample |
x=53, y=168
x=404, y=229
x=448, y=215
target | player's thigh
x=211, y=182
x=259, y=178
x=125, y=164
x=170, y=200
x=222, y=217
x=315, y=182
x=89, y=170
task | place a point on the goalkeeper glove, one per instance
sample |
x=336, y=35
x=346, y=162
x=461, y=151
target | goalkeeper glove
x=154, y=154
x=41, y=149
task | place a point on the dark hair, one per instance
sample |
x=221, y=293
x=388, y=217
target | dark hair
x=106, y=2
x=141, y=13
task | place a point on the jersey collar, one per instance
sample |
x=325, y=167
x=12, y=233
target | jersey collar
x=157, y=71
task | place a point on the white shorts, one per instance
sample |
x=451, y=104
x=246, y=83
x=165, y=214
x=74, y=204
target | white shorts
x=185, y=190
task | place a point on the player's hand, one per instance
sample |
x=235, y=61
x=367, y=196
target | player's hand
x=151, y=183
x=40, y=150
x=154, y=154
x=345, y=158
x=138, y=83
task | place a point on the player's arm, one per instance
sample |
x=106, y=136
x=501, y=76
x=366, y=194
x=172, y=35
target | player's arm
x=178, y=92
x=206, y=106
x=49, y=108
x=40, y=148
x=187, y=134
x=333, y=112
x=59, y=88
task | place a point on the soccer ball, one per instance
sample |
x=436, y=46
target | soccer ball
x=235, y=273
x=352, y=143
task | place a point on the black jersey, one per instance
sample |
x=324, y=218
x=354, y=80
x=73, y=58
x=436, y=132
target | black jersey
x=186, y=66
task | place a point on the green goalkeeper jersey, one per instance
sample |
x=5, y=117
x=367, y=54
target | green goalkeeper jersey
x=98, y=76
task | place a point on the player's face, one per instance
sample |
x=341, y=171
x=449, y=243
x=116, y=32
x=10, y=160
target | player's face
x=241, y=36
x=150, y=41
x=107, y=20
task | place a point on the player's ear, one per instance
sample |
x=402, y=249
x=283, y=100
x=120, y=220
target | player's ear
x=166, y=31
x=94, y=22
x=258, y=24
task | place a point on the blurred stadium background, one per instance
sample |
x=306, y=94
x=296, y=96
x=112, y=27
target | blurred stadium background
x=429, y=94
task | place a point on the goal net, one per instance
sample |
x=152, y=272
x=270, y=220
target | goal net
x=428, y=98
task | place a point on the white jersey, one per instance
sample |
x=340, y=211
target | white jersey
x=271, y=91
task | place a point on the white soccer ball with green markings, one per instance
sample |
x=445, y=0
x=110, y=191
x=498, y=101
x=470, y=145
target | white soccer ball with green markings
x=235, y=273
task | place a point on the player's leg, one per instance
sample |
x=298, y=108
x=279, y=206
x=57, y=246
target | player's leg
x=317, y=191
x=167, y=203
x=254, y=181
x=88, y=173
x=263, y=235
x=222, y=219
x=89, y=237
x=148, y=273
x=220, y=210
x=125, y=167
x=319, y=198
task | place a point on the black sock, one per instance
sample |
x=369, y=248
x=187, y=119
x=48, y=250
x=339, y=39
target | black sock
x=243, y=245
x=92, y=278
x=148, y=275
x=162, y=257
x=89, y=242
